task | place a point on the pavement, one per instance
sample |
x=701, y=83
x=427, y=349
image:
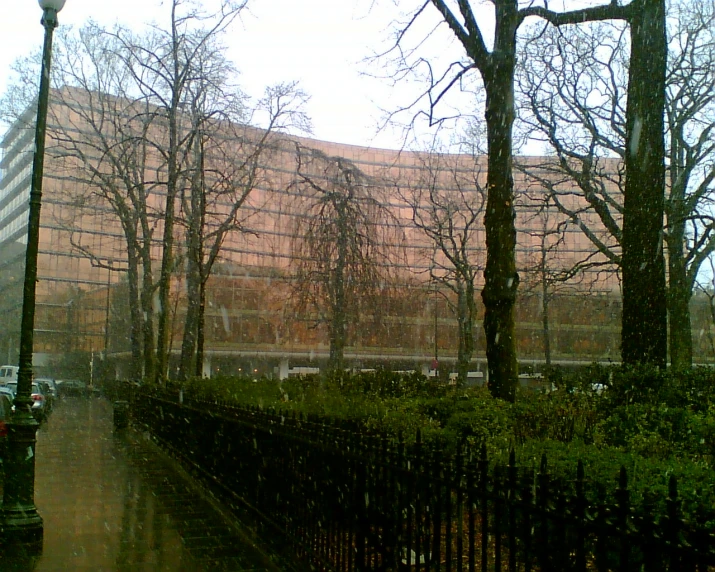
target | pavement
x=113, y=501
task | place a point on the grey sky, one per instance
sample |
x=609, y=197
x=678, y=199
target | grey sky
x=318, y=42
x=321, y=43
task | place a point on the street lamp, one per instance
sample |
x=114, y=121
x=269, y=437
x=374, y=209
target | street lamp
x=21, y=520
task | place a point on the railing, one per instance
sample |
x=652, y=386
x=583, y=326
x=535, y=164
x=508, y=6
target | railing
x=350, y=501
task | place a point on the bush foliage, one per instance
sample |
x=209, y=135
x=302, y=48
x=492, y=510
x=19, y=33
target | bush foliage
x=654, y=423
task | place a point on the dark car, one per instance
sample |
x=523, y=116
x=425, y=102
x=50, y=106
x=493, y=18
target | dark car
x=5, y=410
x=71, y=387
x=49, y=389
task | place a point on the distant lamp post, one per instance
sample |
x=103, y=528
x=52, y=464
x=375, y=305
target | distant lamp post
x=21, y=521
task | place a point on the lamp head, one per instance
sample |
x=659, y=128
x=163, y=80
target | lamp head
x=55, y=5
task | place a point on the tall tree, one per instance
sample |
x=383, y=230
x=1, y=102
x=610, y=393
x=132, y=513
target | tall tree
x=228, y=162
x=690, y=117
x=575, y=88
x=344, y=239
x=496, y=68
x=164, y=65
x=446, y=202
x=551, y=269
x=644, y=318
x=99, y=135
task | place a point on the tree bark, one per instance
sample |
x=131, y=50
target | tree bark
x=135, y=314
x=194, y=274
x=545, y=326
x=172, y=179
x=338, y=321
x=501, y=278
x=188, y=341
x=200, y=321
x=644, y=325
x=466, y=313
x=147, y=302
x=679, y=294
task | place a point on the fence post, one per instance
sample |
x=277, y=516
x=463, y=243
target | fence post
x=542, y=524
x=580, y=517
x=483, y=467
x=435, y=475
x=673, y=523
x=472, y=509
x=512, y=500
x=406, y=498
x=527, y=507
x=498, y=509
x=421, y=532
x=361, y=504
x=459, y=485
x=624, y=509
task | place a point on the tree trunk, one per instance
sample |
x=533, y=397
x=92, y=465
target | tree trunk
x=338, y=322
x=147, y=302
x=679, y=294
x=200, y=321
x=545, y=306
x=545, y=327
x=167, y=264
x=188, y=342
x=203, y=268
x=501, y=278
x=194, y=276
x=466, y=309
x=135, y=314
x=644, y=324
x=172, y=180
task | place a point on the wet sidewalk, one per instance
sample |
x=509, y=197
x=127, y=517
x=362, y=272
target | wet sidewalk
x=117, y=503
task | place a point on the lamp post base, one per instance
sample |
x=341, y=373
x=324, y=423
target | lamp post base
x=21, y=523
x=27, y=529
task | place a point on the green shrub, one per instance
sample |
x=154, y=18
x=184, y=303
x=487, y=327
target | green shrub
x=659, y=431
x=647, y=478
x=384, y=384
x=655, y=423
x=245, y=390
x=562, y=415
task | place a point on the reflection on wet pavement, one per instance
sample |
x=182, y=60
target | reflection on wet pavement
x=115, y=503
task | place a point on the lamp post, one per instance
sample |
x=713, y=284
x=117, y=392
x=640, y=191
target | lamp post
x=22, y=522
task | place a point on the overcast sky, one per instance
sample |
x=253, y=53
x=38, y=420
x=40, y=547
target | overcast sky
x=321, y=43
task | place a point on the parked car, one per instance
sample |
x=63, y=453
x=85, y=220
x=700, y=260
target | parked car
x=71, y=387
x=49, y=389
x=4, y=390
x=39, y=403
x=5, y=409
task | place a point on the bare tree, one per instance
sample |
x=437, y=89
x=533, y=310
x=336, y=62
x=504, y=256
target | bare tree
x=644, y=318
x=165, y=66
x=690, y=116
x=706, y=286
x=446, y=202
x=496, y=68
x=551, y=269
x=100, y=136
x=228, y=162
x=344, y=242
x=575, y=88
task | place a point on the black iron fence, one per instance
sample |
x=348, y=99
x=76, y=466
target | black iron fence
x=350, y=501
